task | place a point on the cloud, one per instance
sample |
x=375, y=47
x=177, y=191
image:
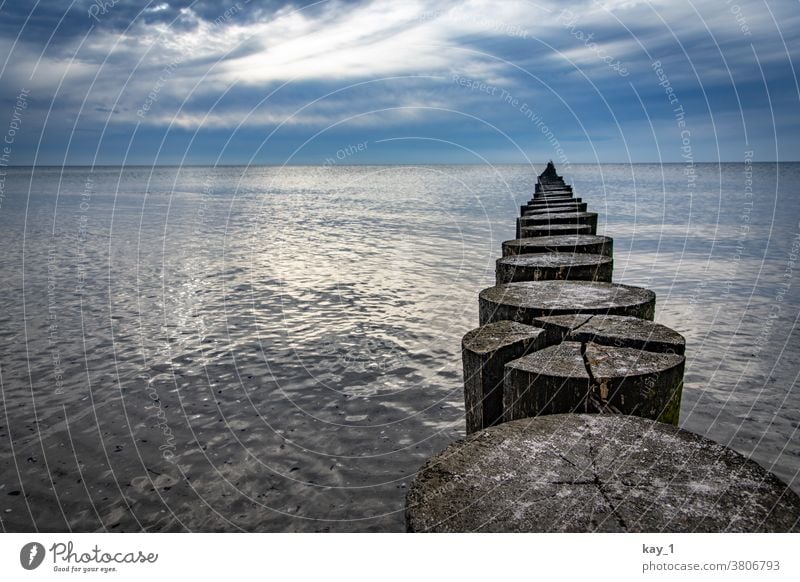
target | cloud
x=205, y=65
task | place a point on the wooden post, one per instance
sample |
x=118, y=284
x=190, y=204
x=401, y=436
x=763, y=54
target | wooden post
x=596, y=473
x=582, y=243
x=578, y=377
x=555, y=230
x=525, y=301
x=554, y=267
x=485, y=351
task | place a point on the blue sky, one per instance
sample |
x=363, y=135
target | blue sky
x=171, y=82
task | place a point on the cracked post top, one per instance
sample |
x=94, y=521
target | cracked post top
x=596, y=473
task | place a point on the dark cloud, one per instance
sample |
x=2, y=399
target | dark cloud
x=60, y=22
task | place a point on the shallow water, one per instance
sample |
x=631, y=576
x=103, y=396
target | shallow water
x=272, y=349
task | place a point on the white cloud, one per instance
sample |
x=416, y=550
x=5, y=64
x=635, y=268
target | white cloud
x=343, y=43
x=158, y=8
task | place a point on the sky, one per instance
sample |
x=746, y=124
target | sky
x=398, y=82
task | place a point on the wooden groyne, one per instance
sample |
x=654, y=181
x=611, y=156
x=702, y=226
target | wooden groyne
x=572, y=396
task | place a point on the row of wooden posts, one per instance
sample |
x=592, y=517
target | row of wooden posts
x=572, y=397
x=557, y=335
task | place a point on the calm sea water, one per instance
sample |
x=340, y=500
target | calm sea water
x=269, y=349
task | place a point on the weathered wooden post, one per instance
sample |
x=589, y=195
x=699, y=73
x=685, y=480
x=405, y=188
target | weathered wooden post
x=582, y=243
x=555, y=230
x=596, y=473
x=548, y=209
x=485, y=352
x=554, y=267
x=589, y=218
x=588, y=377
x=552, y=219
x=615, y=330
x=525, y=301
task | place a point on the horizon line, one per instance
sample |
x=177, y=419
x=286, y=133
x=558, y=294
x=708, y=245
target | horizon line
x=391, y=164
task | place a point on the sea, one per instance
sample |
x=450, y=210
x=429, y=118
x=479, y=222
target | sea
x=277, y=349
